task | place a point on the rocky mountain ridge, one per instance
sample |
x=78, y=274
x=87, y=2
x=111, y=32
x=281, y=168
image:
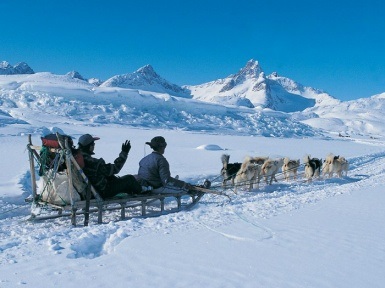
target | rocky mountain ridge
x=145, y=78
x=19, y=68
x=256, y=89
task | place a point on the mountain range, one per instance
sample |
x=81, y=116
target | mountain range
x=247, y=101
x=249, y=87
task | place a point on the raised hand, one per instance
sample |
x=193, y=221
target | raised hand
x=126, y=146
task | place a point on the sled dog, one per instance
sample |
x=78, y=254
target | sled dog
x=249, y=173
x=312, y=167
x=290, y=167
x=229, y=170
x=270, y=168
x=335, y=164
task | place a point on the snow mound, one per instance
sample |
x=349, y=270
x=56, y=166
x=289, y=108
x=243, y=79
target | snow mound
x=211, y=147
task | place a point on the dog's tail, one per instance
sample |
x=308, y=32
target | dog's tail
x=329, y=158
x=247, y=159
x=225, y=158
x=246, y=162
x=266, y=166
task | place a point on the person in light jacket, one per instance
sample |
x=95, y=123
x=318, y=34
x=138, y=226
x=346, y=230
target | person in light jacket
x=154, y=170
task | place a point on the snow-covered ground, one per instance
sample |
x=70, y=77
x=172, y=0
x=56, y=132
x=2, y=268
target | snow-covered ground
x=327, y=233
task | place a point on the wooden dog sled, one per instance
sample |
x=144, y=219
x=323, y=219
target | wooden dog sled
x=76, y=191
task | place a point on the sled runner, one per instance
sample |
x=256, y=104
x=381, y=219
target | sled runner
x=64, y=189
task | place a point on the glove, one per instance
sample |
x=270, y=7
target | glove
x=126, y=146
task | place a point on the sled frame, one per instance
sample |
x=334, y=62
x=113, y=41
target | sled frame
x=184, y=200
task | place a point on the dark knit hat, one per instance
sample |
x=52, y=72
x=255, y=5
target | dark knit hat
x=87, y=139
x=157, y=142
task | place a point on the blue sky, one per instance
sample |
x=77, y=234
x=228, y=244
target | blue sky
x=335, y=45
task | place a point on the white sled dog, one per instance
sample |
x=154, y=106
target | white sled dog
x=290, y=167
x=335, y=164
x=249, y=173
x=312, y=167
x=270, y=168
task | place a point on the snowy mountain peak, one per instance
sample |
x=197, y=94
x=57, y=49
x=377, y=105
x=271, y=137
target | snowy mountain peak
x=95, y=81
x=19, y=68
x=252, y=69
x=145, y=78
x=147, y=70
x=272, y=91
x=4, y=65
x=75, y=74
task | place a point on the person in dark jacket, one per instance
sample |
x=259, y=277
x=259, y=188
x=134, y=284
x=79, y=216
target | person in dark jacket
x=154, y=170
x=102, y=174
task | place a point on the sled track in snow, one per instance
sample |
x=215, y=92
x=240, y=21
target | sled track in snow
x=283, y=197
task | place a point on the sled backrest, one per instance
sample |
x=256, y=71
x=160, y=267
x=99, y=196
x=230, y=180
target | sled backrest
x=75, y=172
